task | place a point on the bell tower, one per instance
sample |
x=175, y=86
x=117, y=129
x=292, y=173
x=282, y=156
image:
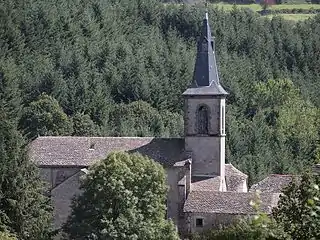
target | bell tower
x=204, y=113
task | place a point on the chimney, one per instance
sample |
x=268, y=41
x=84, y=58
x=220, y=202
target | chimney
x=188, y=176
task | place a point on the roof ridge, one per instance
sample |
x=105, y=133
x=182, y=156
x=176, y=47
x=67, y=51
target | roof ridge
x=109, y=137
x=232, y=192
x=282, y=175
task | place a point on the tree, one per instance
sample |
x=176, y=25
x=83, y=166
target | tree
x=45, y=117
x=24, y=210
x=298, y=210
x=83, y=125
x=123, y=198
x=136, y=119
x=274, y=132
x=7, y=236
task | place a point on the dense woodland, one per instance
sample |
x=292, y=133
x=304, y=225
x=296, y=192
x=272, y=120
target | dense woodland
x=118, y=68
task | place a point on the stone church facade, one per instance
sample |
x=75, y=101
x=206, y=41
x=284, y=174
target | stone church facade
x=204, y=191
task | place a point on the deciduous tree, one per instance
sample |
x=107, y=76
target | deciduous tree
x=298, y=210
x=45, y=117
x=123, y=198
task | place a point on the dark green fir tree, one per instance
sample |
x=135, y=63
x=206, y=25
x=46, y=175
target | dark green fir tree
x=24, y=209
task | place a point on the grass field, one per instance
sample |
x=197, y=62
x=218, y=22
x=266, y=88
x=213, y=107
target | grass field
x=257, y=7
x=289, y=16
x=293, y=17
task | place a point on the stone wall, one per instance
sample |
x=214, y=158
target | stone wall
x=208, y=155
x=174, y=175
x=208, y=150
x=62, y=196
x=210, y=220
x=63, y=192
x=53, y=176
x=191, y=106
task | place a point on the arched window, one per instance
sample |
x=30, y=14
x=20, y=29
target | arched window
x=202, y=120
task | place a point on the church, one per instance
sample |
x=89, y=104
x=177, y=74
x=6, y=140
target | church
x=204, y=191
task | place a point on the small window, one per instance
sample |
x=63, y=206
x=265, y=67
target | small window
x=199, y=222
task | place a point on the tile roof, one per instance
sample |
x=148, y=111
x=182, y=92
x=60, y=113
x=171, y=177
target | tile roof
x=205, y=183
x=83, y=151
x=232, y=170
x=234, y=177
x=228, y=202
x=274, y=183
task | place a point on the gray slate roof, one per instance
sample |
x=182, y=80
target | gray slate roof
x=214, y=89
x=206, y=183
x=205, y=76
x=274, y=183
x=83, y=151
x=228, y=202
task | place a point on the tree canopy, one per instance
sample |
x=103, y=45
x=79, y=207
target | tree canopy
x=298, y=210
x=24, y=210
x=96, y=59
x=123, y=198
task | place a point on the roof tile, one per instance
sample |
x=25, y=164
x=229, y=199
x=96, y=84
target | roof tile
x=234, y=177
x=274, y=183
x=228, y=202
x=83, y=151
x=206, y=183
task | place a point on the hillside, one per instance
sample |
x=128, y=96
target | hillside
x=118, y=68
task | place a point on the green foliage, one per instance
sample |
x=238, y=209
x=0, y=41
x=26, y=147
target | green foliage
x=6, y=236
x=25, y=211
x=245, y=230
x=123, y=198
x=141, y=119
x=297, y=216
x=83, y=125
x=45, y=117
x=298, y=210
x=124, y=65
x=276, y=131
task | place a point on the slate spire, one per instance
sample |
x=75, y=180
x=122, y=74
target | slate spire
x=205, y=70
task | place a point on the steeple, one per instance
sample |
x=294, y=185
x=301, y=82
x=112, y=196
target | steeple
x=204, y=113
x=205, y=77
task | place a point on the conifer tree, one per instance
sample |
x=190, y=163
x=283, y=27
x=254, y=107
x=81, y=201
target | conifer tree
x=25, y=211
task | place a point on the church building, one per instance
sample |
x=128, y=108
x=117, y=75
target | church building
x=204, y=191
